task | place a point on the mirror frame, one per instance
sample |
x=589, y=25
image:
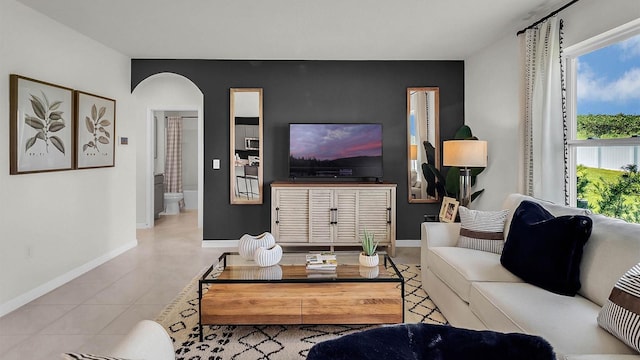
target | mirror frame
x=420, y=147
x=232, y=148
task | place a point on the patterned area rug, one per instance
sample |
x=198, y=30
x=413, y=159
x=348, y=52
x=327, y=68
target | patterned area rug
x=271, y=342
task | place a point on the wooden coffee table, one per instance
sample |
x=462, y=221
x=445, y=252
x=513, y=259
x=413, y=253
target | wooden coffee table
x=237, y=291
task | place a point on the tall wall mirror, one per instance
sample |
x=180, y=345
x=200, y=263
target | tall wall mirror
x=422, y=126
x=246, y=146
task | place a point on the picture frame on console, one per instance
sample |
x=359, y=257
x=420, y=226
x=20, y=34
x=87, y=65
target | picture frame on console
x=41, y=126
x=449, y=209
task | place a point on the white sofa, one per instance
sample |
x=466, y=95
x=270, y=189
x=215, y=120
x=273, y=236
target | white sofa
x=473, y=290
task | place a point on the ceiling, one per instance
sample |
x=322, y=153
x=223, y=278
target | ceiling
x=297, y=29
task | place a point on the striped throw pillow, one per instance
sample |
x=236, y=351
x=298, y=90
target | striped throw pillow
x=620, y=315
x=79, y=356
x=482, y=230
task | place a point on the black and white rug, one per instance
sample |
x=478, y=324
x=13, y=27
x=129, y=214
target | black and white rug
x=271, y=342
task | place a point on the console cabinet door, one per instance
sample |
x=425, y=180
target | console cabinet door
x=374, y=213
x=321, y=217
x=346, y=214
x=290, y=215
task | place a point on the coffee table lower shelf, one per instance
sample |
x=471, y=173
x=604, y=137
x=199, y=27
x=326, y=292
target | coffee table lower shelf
x=302, y=303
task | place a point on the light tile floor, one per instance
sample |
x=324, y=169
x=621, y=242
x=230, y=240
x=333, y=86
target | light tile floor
x=94, y=311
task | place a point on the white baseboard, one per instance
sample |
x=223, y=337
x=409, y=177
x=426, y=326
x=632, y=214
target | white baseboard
x=219, y=243
x=234, y=243
x=142, y=226
x=33, y=294
x=408, y=243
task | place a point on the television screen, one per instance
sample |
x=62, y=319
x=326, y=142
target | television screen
x=335, y=150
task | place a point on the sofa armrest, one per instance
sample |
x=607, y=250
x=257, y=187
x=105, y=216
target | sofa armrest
x=148, y=340
x=435, y=234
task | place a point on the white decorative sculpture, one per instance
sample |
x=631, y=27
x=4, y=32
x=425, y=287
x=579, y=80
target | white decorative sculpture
x=268, y=256
x=248, y=244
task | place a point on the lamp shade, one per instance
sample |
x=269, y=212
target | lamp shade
x=464, y=153
x=414, y=152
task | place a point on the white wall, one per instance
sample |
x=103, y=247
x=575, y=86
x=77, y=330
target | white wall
x=492, y=92
x=54, y=226
x=164, y=91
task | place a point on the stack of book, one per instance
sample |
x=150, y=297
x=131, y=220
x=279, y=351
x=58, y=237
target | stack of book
x=321, y=262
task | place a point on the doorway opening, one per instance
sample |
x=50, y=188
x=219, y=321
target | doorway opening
x=188, y=165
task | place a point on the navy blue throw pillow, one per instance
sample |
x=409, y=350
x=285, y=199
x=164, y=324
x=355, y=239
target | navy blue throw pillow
x=544, y=250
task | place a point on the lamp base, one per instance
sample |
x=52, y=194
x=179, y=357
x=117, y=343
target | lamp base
x=465, y=187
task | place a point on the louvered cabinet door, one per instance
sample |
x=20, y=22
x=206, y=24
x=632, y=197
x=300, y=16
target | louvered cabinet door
x=290, y=215
x=346, y=214
x=375, y=213
x=321, y=215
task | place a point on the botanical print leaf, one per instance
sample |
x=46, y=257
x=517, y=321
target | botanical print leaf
x=57, y=143
x=89, y=124
x=95, y=126
x=38, y=107
x=57, y=126
x=47, y=120
x=34, y=122
x=55, y=105
x=30, y=143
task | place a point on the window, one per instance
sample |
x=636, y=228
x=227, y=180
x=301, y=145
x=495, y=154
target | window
x=603, y=115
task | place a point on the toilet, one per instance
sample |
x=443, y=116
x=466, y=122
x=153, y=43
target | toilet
x=171, y=201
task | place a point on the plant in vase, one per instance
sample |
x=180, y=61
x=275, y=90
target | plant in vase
x=368, y=256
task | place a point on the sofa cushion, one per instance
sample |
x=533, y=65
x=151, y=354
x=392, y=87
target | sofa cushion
x=482, y=230
x=568, y=323
x=621, y=314
x=612, y=249
x=459, y=267
x=544, y=250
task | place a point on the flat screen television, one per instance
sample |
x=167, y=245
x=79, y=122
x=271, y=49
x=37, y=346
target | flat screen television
x=335, y=150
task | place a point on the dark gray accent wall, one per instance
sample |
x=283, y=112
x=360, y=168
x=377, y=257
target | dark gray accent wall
x=310, y=91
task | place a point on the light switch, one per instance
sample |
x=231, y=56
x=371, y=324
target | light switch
x=216, y=164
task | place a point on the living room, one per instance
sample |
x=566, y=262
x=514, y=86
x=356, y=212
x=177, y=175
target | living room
x=58, y=225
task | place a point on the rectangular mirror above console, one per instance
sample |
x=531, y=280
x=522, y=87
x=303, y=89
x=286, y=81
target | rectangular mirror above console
x=423, y=142
x=246, y=145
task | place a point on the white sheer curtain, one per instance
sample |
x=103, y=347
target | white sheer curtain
x=543, y=121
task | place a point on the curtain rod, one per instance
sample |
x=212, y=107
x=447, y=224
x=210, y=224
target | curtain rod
x=546, y=17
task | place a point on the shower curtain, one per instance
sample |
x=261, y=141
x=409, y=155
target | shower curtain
x=173, y=157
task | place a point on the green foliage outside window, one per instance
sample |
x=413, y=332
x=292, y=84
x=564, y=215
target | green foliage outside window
x=609, y=192
x=616, y=196
x=608, y=126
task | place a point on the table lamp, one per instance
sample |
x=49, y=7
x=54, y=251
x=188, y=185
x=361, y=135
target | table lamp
x=465, y=154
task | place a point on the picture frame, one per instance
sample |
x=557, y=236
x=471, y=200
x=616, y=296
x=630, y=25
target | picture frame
x=41, y=126
x=95, y=130
x=449, y=209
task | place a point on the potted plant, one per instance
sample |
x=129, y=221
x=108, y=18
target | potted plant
x=368, y=256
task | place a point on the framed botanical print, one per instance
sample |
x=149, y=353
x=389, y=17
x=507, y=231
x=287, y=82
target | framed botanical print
x=41, y=126
x=96, y=127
